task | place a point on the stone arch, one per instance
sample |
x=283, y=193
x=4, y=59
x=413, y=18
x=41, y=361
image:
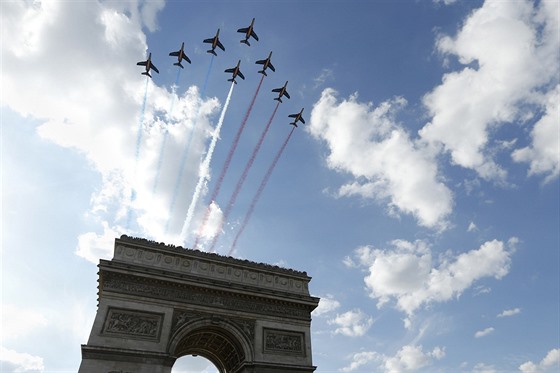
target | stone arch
x=215, y=339
x=159, y=302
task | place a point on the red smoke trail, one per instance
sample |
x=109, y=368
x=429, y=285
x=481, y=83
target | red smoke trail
x=220, y=179
x=242, y=178
x=259, y=191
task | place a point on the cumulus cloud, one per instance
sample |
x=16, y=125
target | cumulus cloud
x=409, y=358
x=326, y=304
x=484, y=368
x=550, y=363
x=17, y=362
x=507, y=313
x=483, y=333
x=384, y=163
x=509, y=50
x=117, y=120
x=408, y=274
x=353, y=323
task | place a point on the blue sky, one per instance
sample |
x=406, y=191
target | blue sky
x=422, y=194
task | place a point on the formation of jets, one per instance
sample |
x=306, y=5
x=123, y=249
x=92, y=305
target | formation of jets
x=235, y=71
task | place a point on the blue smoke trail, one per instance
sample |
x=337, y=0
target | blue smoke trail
x=164, y=141
x=186, y=151
x=137, y=153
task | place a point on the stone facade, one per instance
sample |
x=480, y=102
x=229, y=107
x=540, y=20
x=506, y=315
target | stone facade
x=159, y=302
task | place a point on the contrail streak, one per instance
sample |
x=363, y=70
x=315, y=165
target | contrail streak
x=227, y=162
x=185, y=154
x=137, y=154
x=242, y=179
x=259, y=192
x=204, y=168
x=166, y=134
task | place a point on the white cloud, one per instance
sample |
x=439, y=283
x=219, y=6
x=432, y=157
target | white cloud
x=20, y=362
x=484, y=368
x=89, y=94
x=22, y=321
x=409, y=358
x=543, y=155
x=550, y=363
x=510, y=53
x=472, y=227
x=353, y=323
x=326, y=304
x=384, y=163
x=511, y=312
x=407, y=273
x=483, y=333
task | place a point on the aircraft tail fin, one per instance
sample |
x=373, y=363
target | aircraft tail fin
x=212, y=51
x=232, y=80
x=263, y=72
x=245, y=41
x=146, y=73
x=178, y=64
x=278, y=99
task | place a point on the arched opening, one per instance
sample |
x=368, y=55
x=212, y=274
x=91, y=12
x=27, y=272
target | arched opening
x=193, y=364
x=214, y=343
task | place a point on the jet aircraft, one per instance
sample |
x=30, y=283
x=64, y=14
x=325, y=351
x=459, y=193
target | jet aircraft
x=236, y=72
x=180, y=54
x=281, y=92
x=297, y=117
x=266, y=63
x=248, y=31
x=215, y=41
x=149, y=65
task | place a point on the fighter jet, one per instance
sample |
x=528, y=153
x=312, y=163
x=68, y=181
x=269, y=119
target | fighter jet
x=149, y=65
x=215, y=41
x=248, y=31
x=236, y=72
x=281, y=92
x=180, y=54
x=266, y=63
x=297, y=117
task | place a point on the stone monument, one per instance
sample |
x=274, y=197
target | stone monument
x=159, y=302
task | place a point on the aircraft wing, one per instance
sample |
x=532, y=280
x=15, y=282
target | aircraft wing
x=271, y=67
x=293, y=115
x=187, y=59
x=302, y=120
x=244, y=30
x=241, y=75
x=286, y=94
x=142, y=63
x=176, y=54
x=153, y=67
x=211, y=40
x=253, y=34
x=261, y=62
x=277, y=90
x=219, y=44
x=232, y=70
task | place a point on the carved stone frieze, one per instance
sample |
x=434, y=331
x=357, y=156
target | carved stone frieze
x=284, y=342
x=135, y=324
x=171, y=291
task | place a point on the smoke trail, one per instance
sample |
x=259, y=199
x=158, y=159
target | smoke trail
x=259, y=192
x=185, y=154
x=164, y=141
x=137, y=153
x=242, y=178
x=204, y=168
x=227, y=162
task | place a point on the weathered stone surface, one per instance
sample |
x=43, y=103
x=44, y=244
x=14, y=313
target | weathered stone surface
x=159, y=302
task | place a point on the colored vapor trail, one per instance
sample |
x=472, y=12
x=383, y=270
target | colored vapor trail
x=185, y=153
x=227, y=162
x=259, y=192
x=166, y=134
x=137, y=153
x=204, y=168
x=243, y=177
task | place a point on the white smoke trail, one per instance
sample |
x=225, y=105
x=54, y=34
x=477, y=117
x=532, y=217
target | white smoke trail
x=204, y=169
